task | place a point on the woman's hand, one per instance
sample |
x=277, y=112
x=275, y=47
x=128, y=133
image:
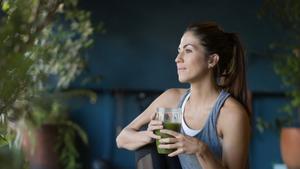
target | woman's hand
x=182, y=143
x=152, y=126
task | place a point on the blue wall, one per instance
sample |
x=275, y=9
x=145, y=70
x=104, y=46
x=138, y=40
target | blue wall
x=137, y=52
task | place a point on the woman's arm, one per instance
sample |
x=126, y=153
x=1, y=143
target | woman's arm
x=235, y=128
x=131, y=138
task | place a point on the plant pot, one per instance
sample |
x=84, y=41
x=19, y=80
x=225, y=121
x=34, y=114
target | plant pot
x=290, y=147
x=40, y=151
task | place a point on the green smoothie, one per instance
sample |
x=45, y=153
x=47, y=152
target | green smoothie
x=170, y=126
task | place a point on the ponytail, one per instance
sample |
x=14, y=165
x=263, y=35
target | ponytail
x=236, y=79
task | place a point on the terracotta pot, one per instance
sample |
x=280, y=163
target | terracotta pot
x=44, y=155
x=290, y=147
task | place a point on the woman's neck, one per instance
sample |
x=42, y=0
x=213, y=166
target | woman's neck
x=203, y=92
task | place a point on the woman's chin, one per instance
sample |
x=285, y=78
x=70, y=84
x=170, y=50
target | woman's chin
x=181, y=80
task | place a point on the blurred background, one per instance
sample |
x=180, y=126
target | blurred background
x=131, y=62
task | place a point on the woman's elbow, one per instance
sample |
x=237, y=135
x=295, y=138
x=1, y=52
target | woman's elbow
x=123, y=143
x=124, y=140
x=119, y=141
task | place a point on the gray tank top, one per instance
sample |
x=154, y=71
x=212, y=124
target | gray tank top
x=208, y=133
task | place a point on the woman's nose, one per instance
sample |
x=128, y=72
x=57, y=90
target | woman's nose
x=178, y=57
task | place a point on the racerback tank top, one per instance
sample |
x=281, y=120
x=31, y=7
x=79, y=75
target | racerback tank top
x=208, y=134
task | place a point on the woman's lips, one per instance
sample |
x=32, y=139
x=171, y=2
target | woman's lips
x=181, y=68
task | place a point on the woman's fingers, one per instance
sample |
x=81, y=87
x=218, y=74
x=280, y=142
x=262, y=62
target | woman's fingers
x=168, y=146
x=179, y=142
x=152, y=128
x=154, y=136
x=153, y=116
x=155, y=122
x=155, y=125
x=168, y=140
x=175, y=153
x=170, y=132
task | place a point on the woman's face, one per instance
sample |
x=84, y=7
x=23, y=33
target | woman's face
x=192, y=64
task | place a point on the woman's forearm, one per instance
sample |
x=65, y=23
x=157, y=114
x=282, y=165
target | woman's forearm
x=208, y=161
x=131, y=139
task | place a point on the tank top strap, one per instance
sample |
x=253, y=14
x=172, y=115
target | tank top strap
x=218, y=105
x=182, y=98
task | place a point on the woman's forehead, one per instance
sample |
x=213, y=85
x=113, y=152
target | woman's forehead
x=189, y=38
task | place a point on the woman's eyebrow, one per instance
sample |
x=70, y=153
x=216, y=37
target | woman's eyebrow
x=187, y=45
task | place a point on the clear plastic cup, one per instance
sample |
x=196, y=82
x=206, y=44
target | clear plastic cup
x=171, y=118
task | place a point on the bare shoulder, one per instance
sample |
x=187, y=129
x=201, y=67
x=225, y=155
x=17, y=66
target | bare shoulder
x=175, y=91
x=233, y=114
x=171, y=97
x=232, y=108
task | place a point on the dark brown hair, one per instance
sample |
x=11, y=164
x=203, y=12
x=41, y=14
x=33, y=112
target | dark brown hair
x=230, y=70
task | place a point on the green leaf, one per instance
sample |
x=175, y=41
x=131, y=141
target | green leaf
x=5, y=6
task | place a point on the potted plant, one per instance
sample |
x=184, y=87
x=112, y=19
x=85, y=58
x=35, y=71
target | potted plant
x=287, y=66
x=42, y=43
x=46, y=135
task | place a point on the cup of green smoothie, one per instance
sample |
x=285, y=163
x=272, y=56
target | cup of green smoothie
x=171, y=118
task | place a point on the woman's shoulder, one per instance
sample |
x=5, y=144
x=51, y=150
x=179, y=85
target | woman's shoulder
x=171, y=96
x=233, y=109
x=177, y=92
x=233, y=117
x=232, y=104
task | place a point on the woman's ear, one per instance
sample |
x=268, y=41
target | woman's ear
x=213, y=60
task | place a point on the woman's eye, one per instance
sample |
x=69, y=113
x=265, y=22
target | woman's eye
x=188, y=51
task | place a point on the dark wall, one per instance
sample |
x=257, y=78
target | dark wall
x=140, y=45
x=137, y=52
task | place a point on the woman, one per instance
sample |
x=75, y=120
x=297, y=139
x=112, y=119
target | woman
x=215, y=130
